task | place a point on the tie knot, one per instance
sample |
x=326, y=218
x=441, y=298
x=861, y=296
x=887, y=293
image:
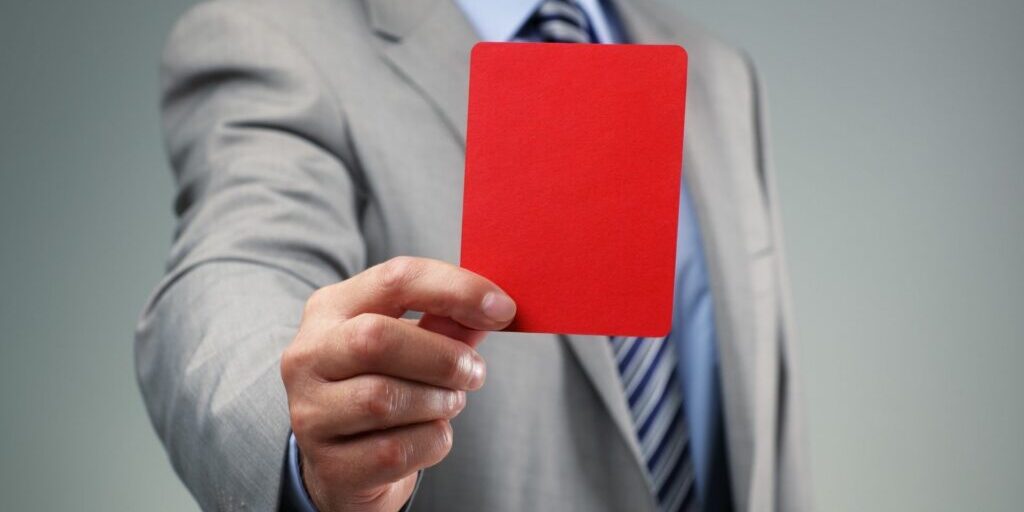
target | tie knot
x=557, y=21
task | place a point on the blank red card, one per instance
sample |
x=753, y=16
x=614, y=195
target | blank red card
x=573, y=166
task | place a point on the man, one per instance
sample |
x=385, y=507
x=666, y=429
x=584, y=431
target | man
x=314, y=141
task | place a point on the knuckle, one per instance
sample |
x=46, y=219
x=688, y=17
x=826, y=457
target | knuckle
x=369, y=326
x=316, y=303
x=378, y=399
x=366, y=337
x=395, y=273
x=288, y=365
x=455, y=367
x=294, y=360
x=445, y=437
x=391, y=454
x=302, y=417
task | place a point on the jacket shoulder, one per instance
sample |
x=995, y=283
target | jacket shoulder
x=304, y=21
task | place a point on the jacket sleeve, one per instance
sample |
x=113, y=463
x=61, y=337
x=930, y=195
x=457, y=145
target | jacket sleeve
x=267, y=211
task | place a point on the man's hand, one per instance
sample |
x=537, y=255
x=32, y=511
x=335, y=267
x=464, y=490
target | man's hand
x=370, y=394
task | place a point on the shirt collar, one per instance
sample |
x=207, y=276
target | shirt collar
x=497, y=20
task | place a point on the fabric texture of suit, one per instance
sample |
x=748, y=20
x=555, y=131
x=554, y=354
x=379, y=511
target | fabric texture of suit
x=313, y=138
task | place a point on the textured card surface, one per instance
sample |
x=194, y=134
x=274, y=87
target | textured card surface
x=573, y=167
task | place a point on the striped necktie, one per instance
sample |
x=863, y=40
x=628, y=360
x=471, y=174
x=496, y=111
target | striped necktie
x=647, y=366
x=557, y=21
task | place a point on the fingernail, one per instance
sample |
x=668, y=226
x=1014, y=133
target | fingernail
x=499, y=307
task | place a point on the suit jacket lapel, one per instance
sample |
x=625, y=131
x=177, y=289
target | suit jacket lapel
x=594, y=354
x=428, y=42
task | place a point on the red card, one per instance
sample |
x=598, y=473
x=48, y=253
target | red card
x=573, y=166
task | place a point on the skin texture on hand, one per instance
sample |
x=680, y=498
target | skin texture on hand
x=371, y=394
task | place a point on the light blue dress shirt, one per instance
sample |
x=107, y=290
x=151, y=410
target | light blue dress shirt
x=693, y=320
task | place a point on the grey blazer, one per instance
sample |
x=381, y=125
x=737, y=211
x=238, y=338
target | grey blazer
x=312, y=138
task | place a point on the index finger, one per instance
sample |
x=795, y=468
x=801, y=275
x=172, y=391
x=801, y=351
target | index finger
x=431, y=286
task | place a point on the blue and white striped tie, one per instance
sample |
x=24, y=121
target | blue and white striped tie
x=557, y=21
x=647, y=366
x=651, y=385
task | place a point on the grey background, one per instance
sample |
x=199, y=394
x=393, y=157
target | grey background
x=898, y=140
